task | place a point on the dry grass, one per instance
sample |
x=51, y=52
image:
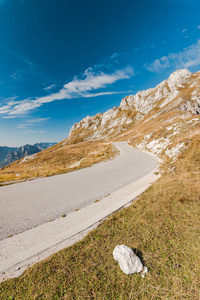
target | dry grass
x=149, y=125
x=162, y=226
x=58, y=159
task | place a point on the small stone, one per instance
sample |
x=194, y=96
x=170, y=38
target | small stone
x=145, y=270
x=128, y=261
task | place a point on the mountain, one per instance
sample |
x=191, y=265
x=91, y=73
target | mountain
x=4, y=150
x=21, y=152
x=180, y=93
x=43, y=146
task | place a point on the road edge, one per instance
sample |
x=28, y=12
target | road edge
x=39, y=243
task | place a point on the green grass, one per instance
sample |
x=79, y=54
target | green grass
x=162, y=226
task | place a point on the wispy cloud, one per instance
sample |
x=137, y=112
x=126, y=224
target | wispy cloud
x=79, y=87
x=20, y=57
x=50, y=87
x=5, y=109
x=26, y=66
x=8, y=117
x=16, y=75
x=37, y=120
x=107, y=93
x=198, y=26
x=30, y=131
x=22, y=126
x=183, y=30
x=189, y=57
x=32, y=122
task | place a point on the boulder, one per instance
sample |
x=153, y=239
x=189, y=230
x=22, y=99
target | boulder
x=128, y=261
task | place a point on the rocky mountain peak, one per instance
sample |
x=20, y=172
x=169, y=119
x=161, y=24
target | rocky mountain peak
x=179, y=92
x=17, y=153
x=178, y=77
x=180, y=74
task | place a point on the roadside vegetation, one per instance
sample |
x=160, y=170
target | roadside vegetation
x=162, y=226
x=61, y=158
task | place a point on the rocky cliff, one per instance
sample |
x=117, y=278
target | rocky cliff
x=23, y=151
x=180, y=92
x=4, y=150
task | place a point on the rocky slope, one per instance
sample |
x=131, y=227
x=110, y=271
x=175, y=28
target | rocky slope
x=4, y=150
x=23, y=151
x=180, y=93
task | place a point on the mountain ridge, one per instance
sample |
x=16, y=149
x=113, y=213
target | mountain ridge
x=16, y=153
x=180, y=92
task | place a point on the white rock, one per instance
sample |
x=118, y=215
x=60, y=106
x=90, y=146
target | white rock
x=28, y=157
x=175, y=151
x=178, y=77
x=128, y=261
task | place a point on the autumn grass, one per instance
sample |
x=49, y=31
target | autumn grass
x=162, y=226
x=61, y=158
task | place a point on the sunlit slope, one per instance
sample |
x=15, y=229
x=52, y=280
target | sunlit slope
x=176, y=97
x=58, y=159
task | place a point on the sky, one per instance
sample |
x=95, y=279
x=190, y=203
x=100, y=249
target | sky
x=61, y=60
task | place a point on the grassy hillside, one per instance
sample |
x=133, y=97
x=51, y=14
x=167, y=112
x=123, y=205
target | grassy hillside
x=162, y=226
x=61, y=158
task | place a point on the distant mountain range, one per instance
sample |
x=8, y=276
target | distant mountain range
x=10, y=154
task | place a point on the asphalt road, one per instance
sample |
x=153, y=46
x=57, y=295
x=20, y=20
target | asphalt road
x=32, y=203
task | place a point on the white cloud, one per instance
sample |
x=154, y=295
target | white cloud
x=198, y=26
x=77, y=88
x=106, y=93
x=8, y=117
x=37, y=120
x=95, y=81
x=30, y=131
x=189, y=57
x=4, y=109
x=183, y=30
x=50, y=87
x=32, y=122
x=16, y=75
x=22, y=126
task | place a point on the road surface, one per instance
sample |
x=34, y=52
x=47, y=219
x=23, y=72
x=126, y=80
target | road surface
x=32, y=203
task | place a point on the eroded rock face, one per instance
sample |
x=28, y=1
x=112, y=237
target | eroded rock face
x=128, y=261
x=194, y=108
x=167, y=90
x=179, y=92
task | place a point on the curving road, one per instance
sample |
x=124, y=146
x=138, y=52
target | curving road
x=32, y=203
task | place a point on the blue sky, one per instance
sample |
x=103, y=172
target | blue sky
x=61, y=60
